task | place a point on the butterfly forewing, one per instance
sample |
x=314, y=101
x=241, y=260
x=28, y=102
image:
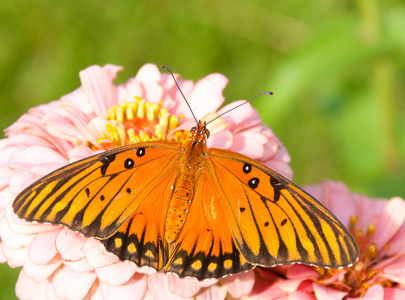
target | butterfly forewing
x=95, y=196
x=275, y=222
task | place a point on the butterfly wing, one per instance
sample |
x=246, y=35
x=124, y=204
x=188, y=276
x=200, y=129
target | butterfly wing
x=205, y=247
x=272, y=220
x=97, y=195
x=141, y=238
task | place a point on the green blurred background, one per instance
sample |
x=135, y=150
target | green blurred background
x=337, y=68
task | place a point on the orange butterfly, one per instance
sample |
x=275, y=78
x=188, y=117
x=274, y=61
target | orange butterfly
x=189, y=209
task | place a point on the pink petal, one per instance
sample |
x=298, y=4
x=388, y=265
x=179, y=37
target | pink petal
x=116, y=274
x=3, y=259
x=221, y=140
x=79, y=153
x=210, y=87
x=42, y=248
x=397, y=293
x=280, y=167
x=214, y=292
x=70, y=245
x=158, y=287
x=238, y=115
x=96, y=254
x=22, y=227
x=184, y=287
x=395, y=271
x=72, y=285
x=27, y=288
x=300, y=272
x=79, y=266
x=12, y=240
x=61, y=127
x=135, y=289
x=337, y=197
x=323, y=292
x=15, y=257
x=95, y=292
x=289, y=285
x=248, y=144
x=368, y=211
x=149, y=76
x=391, y=220
x=375, y=292
x=98, y=87
x=240, y=285
x=302, y=296
x=41, y=272
x=35, y=155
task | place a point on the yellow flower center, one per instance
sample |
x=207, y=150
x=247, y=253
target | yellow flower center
x=139, y=121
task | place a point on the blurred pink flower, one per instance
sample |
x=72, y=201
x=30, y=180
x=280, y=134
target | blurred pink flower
x=379, y=228
x=59, y=263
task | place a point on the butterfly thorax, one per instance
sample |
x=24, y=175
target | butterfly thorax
x=183, y=190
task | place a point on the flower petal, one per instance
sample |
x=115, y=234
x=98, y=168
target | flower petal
x=96, y=254
x=70, y=244
x=42, y=249
x=391, y=220
x=184, y=287
x=43, y=271
x=210, y=87
x=240, y=285
x=27, y=288
x=323, y=292
x=72, y=285
x=98, y=87
x=134, y=289
x=396, y=293
x=116, y=274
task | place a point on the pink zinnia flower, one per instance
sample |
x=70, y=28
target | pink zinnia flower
x=379, y=228
x=60, y=263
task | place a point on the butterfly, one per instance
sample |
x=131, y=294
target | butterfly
x=190, y=210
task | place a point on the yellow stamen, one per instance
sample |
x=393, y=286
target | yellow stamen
x=139, y=121
x=370, y=230
x=144, y=136
x=353, y=222
x=130, y=110
x=372, y=251
x=119, y=114
x=174, y=122
x=141, y=109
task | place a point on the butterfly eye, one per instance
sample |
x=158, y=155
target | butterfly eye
x=207, y=133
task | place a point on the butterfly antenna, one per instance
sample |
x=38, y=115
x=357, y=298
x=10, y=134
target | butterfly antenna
x=175, y=81
x=247, y=101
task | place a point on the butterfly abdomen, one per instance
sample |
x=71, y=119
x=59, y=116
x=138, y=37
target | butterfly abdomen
x=179, y=207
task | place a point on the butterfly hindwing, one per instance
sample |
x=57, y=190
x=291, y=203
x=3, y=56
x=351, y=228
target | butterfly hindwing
x=275, y=222
x=97, y=195
x=205, y=247
x=141, y=238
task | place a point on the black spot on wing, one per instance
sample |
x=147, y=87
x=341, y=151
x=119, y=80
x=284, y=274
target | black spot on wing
x=277, y=186
x=106, y=160
x=247, y=168
x=254, y=183
x=129, y=163
x=140, y=152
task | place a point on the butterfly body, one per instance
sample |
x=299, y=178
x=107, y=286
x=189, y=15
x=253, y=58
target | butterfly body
x=188, y=175
x=189, y=209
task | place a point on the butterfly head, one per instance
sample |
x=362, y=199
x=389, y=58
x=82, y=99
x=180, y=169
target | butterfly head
x=199, y=133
